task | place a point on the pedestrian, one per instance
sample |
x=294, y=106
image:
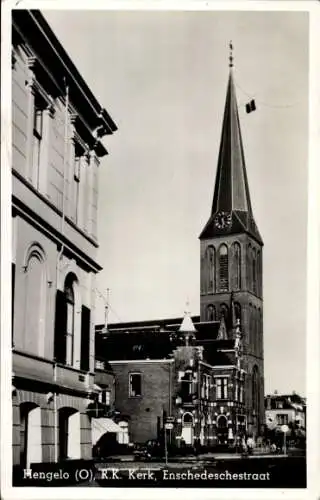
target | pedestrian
x=250, y=444
x=244, y=446
x=273, y=448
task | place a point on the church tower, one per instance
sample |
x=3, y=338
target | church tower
x=231, y=258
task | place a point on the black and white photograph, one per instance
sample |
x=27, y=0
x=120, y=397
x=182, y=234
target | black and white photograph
x=158, y=233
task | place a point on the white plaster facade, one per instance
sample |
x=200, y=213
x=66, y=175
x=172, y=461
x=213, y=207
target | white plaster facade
x=56, y=153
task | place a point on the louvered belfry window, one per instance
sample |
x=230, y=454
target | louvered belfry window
x=223, y=268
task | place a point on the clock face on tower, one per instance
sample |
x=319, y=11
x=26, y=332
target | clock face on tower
x=223, y=220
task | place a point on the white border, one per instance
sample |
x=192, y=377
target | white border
x=313, y=331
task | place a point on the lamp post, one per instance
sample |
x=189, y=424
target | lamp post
x=284, y=429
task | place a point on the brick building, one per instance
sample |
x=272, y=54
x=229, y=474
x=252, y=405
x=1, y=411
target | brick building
x=206, y=373
x=56, y=150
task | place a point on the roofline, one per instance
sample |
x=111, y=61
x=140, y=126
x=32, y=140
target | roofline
x=73, y=74
x=146, y=323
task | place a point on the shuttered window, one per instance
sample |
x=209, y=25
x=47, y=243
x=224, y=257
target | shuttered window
x=85, y=338
x=60, y=328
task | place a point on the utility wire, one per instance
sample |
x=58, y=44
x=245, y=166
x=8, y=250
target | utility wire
x=265, y=104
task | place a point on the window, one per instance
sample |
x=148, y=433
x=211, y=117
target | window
x=208, y=383
x=35, y=301
x=236, y=391
x=211, y=313
x=236, y=267
x=254, y=271
x=223, y=268
x=210, y=268
x=222, y=388
x=104, y=397
x=135, y=384
x=186, y=386
x=123, y=436
x=72, y=326
x=224, y=311
x=282, y=419
x=37, y=143
x=279, y=405
x=241, y=394
x=205, y=386
x=69, y=293
x=76, y=178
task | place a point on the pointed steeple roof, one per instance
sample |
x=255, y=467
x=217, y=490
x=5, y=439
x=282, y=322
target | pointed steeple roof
x=231, y=192
x=187, y=325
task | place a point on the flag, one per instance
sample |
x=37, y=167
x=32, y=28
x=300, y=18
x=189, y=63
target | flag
x=251, y=106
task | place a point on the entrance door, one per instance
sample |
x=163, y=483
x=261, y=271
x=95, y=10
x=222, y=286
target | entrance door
x=187, y=428
x=222, y=429
x=31, y=447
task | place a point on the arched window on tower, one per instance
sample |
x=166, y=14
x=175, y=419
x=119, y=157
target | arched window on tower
x=251, y=328
x=224, y=311
x=236, y=266
x=203, y=276
x=223, y=268
x=259, y=274
x=254, y=271
x=249, y=267
x=210, y=268
x=211, y=313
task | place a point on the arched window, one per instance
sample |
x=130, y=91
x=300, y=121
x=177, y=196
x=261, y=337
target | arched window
x=210, y=261
x=223, y=268
x=224, y=311
x=211, y=313
x=69, y=296
x=30, y=434
x=35, y=301
x=251, y=328
x=72, y=326
x=236, y=266
x=254, y=271
x=259, y=273
x=69, y=433
x=249, y=267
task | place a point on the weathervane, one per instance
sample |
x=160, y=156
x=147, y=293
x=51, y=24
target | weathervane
x=230, y=55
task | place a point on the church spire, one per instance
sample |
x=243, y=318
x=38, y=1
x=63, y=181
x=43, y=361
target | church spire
x=231, y=192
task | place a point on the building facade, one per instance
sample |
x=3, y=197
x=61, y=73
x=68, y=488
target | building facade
x=57, y=128
x=202, y=378
x=285, y=409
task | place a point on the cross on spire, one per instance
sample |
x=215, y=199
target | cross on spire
x=230, y=54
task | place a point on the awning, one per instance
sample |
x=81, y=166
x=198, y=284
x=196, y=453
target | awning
x=102, y=425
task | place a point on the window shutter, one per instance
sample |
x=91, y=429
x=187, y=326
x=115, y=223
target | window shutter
x=85, y=338
x=60, y=328
x=13, y=274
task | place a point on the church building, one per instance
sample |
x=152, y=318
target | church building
x=201, y=379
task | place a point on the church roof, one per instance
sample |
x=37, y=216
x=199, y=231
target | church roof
x=158, y=339
x=231, y=192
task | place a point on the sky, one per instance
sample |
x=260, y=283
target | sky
x=162, y=76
